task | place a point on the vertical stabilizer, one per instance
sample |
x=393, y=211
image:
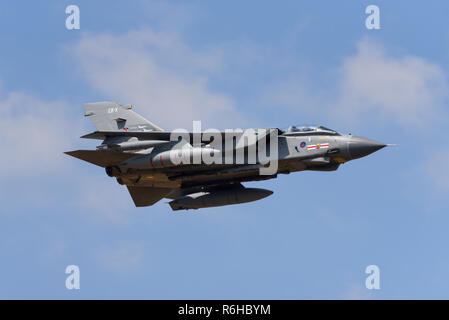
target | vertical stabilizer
x=112, y=116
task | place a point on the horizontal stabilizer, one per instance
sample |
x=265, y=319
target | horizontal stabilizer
x=147, y=196
x=101, y=158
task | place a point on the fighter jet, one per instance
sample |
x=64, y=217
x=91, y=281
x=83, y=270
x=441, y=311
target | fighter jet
x=156, y=164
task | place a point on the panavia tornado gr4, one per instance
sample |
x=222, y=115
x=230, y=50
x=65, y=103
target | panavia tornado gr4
x=199, y=169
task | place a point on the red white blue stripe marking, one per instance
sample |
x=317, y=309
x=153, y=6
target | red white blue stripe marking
x=318, y=146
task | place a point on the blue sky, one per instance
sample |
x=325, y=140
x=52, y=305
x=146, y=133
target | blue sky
x=230, y=64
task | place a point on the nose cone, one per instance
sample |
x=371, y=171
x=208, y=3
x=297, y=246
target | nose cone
x=359, y=147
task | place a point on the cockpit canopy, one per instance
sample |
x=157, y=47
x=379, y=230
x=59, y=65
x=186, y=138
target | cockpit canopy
x=310, y=129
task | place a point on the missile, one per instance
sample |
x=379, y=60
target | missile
x=218, y=198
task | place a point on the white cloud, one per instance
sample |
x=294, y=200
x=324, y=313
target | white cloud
x=169, y=16
x=356, y=292
x=121, y=258
x=408, y=89
x=34, y=169
x=101, y=199
x=371, y=85
x=165, y=79
x=436, y=170
x=35, y=133
x=291, y=94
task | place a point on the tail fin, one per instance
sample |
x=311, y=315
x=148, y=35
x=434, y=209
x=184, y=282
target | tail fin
x=107, y=116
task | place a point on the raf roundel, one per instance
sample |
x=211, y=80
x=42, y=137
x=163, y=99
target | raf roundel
x=303, y=144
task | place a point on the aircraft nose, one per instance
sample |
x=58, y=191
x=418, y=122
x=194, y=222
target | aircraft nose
x=359, y=147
